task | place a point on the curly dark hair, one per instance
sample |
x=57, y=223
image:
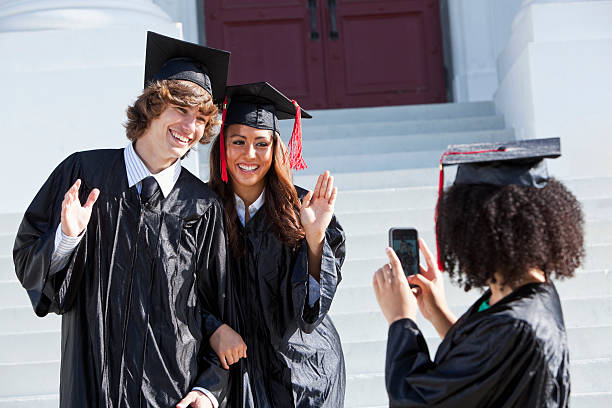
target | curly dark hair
x=281, y=199
x=483, y=229
x=158, y=95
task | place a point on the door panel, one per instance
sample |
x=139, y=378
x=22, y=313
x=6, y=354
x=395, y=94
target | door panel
x=386, y=53
x=270, y=41
x=383, y=52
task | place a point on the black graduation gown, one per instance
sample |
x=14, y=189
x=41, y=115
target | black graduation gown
x=140, y=294
x=294, y=352
x=514, y=354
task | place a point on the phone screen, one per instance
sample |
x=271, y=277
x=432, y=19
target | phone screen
x=404, y=242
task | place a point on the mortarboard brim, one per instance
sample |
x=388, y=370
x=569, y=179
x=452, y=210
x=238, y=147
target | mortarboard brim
x=259, y=105
x=518, y=162
x=169, y=58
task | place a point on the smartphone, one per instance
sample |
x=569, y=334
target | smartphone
x=405, y=243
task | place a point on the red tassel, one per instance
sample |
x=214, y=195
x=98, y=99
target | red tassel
x=440, y=191
x=222, y=144
x=296, y=161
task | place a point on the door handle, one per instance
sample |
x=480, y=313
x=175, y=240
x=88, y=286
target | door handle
x=333, y=34
x=314, y=34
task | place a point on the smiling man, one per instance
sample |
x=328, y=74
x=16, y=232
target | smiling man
x=139, y=270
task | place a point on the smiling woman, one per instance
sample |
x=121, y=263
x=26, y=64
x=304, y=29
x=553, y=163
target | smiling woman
x=249, y=157
x=286, y=253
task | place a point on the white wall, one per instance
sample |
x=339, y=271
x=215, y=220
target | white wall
x=479, y=29
x=69, y=70
x=556, y=81
x=185, y=12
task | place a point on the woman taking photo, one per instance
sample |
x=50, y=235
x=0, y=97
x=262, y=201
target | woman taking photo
x=286, y=253
x=504, y=226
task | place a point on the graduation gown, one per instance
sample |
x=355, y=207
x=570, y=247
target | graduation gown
x=142, y=293
x=294, y=353
x=513, y=354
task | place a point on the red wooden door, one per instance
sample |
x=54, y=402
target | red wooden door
x=333, y=53
x=384, y=53
x=269, y=41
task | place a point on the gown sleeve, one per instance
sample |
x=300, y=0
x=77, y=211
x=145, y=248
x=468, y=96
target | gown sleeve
x=34, y=244
x=477, y=370
x=214, y=288
x=331, y=263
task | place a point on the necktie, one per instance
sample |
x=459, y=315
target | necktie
x=149, y=188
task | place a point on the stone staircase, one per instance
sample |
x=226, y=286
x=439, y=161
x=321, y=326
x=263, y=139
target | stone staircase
x=384, y=161
x=385, y=165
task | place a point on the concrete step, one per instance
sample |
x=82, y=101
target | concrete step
x=365, y=241
x=390, y=199
x=365, y=390
x=586, y=343
x=597, y=208
x=590, y=187
x=367, y=323
x=42, y=379
x=373, y=179
x=393, y=113
x=598, y=229
x=428, y=176
x=375, y=128
x=368, y=390
x=407, y=198
x=598, y=257
x=359, y=271
x=7, y=269
x=37, y=346
x=374, y=144
x=21, y=319
x=7, y=241
x=591, y=400
x=13, y=294
x=591, y=376
x=585, y=284
x=364, y=162
x=9, y=222
x=39, y=401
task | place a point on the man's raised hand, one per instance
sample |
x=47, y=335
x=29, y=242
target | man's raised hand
x=75, y=216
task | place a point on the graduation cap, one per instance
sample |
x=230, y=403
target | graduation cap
x=259, y=105
x=169, y=58
x=518, y=163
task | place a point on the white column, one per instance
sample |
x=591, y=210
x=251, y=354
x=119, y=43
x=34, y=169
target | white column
x=555, y=81
x=28, y=15
x=69, y=70
x=478, y=30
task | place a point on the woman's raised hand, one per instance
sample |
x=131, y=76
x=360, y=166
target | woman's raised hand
x=74, y=216
x=430, y=293
x=318, y=207
x=228, y=345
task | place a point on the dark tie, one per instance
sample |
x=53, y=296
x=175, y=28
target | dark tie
x=149, y=188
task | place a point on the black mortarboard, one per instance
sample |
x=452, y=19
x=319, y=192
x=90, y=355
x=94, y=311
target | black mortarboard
x=169, y=58
x=259, y=105
x=500, y=164
x=520, y=162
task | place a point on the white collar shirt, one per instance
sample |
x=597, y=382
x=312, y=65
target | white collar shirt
x=136, y=171
x=253, y=208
